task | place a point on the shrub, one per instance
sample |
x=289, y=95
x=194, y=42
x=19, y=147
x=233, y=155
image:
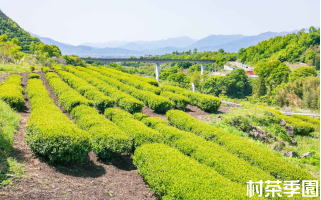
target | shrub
x=121, y=99
x=302, y=72
x=136, y=130
x=205, y=102
x=158, y=103
x=11, y=92
x=50, y=134
x=244, y=148
x=172, y=175
x=127, y=79
x=106, y=138
x=32, y=68
x=68, y=97
x=300, y=127
x=308, y=119
x=33, y=75
x=208, y=153
x=179, y=100
x=45, y=69
x=101, y=101
x=303, y=93
x=148, y=80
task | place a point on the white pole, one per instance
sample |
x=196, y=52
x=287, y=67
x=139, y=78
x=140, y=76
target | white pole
x=193, y=87
x=202, y=69
x=157, y=71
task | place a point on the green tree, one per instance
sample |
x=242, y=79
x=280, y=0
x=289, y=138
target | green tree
x=47, y=50
x=302, y=72
x=237, y=84
x=74, y=60
x=179, y=79
x=213, y=85
x=271, y=74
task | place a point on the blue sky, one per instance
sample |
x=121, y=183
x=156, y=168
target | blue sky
x=79, y=21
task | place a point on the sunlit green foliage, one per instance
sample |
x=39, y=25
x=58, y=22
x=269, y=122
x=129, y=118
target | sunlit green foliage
x=172, y=175
x=303, y=92
x=248, y=150
x=11, y=92
x=50, y=133
x=295, y=47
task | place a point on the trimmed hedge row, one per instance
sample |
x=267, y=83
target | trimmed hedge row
x=11, y=92
x=121, y=99
x=101, y=101
x=45, y=69
x=208, y=153
x=148, y=80
x=136, y=130
x=126, y=79
x=106, y=138
x=172, y=175
x=9, y=122
x=205, y=102
x=179, y=100
x=300, y=127
x=50, y=134
x=244, y=148
x=308, y=119
x=68, y=98
x=158, y=103
x=33, y=75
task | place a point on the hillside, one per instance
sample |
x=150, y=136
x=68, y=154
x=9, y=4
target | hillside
x=230, y=43
x=13, y=30
x=296, y=47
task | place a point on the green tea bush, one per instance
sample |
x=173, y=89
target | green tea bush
x=308, y=119
x=33, y=75
x=51, y=134
x=101, y=101
x=148, y=80
x=172, y=175
x=208, y=153
x=121, y=99
x=300, y=127
x=11, y=92
x=157, y=103
x=136, y=130
x=205, y=102
x=179, y=100
x=127, y=79
x=106, y=138
x=68, y=98
x=244, y=148
x=45, y=69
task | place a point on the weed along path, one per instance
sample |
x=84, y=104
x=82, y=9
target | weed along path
x=92, y=180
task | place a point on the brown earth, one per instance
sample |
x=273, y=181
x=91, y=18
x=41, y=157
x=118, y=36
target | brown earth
x=92, y=180
x=198, y=113
x=151, y=113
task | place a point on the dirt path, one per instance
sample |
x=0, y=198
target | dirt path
x=90, y=181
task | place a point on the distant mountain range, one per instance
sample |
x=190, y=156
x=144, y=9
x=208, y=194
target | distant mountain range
x=230, y=43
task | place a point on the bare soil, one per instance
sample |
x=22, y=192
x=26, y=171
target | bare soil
x=92, y=180
x=198, y=113
x=151, y=113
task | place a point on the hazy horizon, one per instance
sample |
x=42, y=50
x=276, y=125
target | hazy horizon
x=98, y=21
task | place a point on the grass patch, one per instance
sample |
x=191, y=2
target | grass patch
x=11, y=171
x=12, y=68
